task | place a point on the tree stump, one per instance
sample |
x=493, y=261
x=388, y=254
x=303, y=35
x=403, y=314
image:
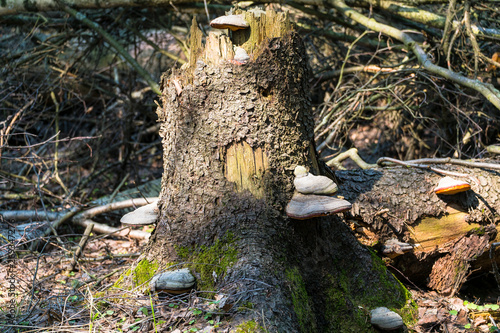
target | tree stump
x=232, y=136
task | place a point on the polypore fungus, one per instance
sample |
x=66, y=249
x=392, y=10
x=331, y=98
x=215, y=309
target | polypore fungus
x=174, y=282
x=232, y=22
x=303, y=207
x=385, y=319
x=143, y=215
x=307, y=183
x=448, y=186
x=240, y=55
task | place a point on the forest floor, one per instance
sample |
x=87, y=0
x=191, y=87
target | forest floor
x=51, y=298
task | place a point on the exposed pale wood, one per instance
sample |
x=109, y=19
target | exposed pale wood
x=245, y=166
x=432, y=232
x=219, y=48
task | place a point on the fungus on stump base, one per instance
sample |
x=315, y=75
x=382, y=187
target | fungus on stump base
x=232, y=136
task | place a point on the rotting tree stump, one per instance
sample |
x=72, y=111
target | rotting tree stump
x=232, y=136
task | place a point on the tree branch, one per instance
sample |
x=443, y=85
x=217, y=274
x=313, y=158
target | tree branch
x=419, y=15
x=119, y=48
x=487, y=90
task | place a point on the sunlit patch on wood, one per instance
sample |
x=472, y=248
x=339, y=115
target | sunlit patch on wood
x=436, y=231
x=245, y=166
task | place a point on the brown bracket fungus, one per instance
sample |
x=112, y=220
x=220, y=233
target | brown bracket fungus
x=142, y=216
x=307, y=183
x=303, y=207
x=231, y=22
x=173, y=282
x=393, y=248
x=448, y=186
x=385, y=319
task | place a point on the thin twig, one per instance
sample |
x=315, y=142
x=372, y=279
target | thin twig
x=383, y=160
x=449, y=19
x=449, y=160
x=473, y=41
x=81, y=246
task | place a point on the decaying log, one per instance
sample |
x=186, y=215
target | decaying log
x=452, y=231
x=454, y=266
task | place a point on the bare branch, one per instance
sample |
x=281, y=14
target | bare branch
x=487, y=90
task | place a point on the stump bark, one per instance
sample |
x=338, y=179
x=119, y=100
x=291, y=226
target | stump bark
x=232, y=136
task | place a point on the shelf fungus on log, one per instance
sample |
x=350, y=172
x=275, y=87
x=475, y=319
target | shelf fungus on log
x=385, y=319
x=393, y=248
x=176, y=282
x=303, y=207
x=307, y=183
x=142, y=216
x=231, y=22
x=448, y=186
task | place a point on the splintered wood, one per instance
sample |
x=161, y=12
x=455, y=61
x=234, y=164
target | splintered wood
x=243, y=165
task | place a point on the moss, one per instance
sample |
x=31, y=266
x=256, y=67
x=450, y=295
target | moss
x=345, y=304
x=119, y=283
x=393, y=293
x=249, y=327
x=144, y=271
x=409, y=313
x=342, y=307
x=245, y=306
x=400, y=299
x=480, y=231
x=301, y=302
x=207, y=260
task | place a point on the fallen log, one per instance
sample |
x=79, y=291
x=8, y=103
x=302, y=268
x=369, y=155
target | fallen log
x=452, y=231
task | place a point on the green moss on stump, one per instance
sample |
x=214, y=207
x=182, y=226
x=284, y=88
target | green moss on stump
x=401, y=302
x=301, y=301
x=206, y=260
x=141, y=274
x=342, y=307
x=346, y=302
x=398, y=295
x=250, y=326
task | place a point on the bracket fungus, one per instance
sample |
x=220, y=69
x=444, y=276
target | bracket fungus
x=174, y=282
x=143, y=215
x=448, y=186
x=385, y=319
x=240, y=55
x=303, y=207
x=393, y=248
x=307, y=183
x=231, y=22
